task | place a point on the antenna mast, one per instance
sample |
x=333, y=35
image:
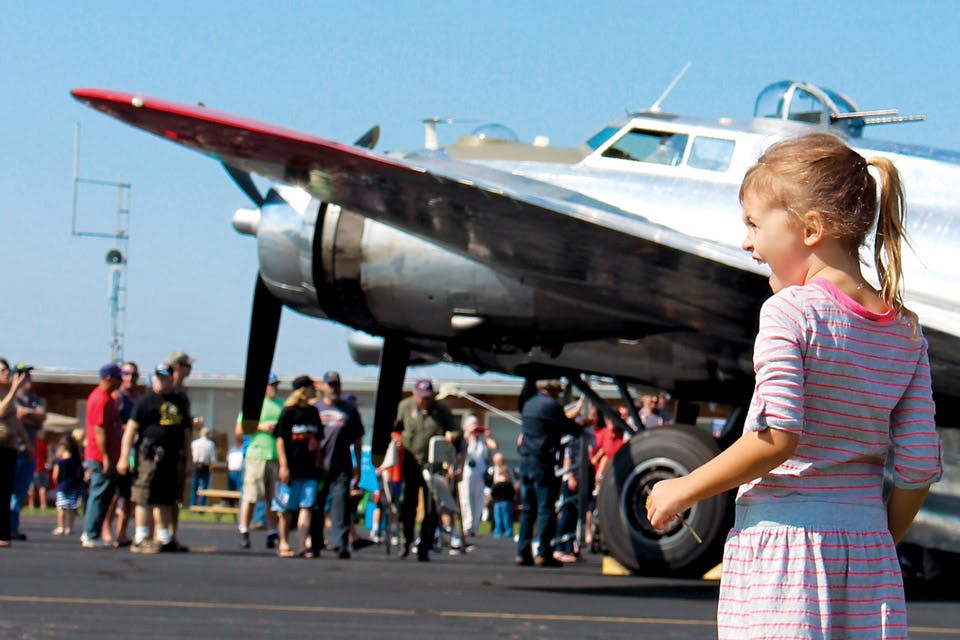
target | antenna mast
x=116, y=257
x=655, y=107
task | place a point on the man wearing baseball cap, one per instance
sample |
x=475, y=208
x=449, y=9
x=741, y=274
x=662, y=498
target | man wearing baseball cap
x=181, y=365
x=158, y=425
x=102, y=451
x=260, y=468
x=342, y=444
x=419, y=418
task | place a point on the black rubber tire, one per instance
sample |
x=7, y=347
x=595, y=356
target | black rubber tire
x=651, y=456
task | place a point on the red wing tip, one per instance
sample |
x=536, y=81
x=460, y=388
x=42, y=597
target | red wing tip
x=107, y=95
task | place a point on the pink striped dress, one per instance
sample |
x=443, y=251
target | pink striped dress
x=810, y=555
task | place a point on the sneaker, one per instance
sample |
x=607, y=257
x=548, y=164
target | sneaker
x=343, y=554
x=145, y=546
x=95, y=543
x=523, y=561
x=272, y=540
x=550, y=561
x=174, y=547
x=245, y=540
x=361, y=543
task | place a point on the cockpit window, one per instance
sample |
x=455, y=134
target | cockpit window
x=713, y=154
x=806, y=107
x=597, y=140
x=659, y=147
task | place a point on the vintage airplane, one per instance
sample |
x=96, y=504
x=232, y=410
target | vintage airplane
x=619, y=258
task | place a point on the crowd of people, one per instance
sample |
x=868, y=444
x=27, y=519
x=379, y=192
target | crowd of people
x=93, y=467
x=297, y=473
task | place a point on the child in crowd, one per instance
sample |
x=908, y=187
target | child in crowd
x=842, y=378
x=298, y=433
x=503, y=491
x=68, y=477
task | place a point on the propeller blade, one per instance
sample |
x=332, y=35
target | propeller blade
x=369, y=139
x=243, y=180
x=264, y=327
x=393, y=367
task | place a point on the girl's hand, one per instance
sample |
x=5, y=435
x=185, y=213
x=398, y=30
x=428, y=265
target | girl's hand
x=666, y=501
x=284, y=474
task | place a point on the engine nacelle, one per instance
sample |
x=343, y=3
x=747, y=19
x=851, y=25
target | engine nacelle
x=324, y=261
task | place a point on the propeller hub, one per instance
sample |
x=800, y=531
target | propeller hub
x=246, y=221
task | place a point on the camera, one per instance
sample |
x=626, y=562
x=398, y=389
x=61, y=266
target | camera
x=22, y=368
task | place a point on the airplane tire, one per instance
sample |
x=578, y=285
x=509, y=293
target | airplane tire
x=650, y=456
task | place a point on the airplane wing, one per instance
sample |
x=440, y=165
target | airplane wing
x=561, y=241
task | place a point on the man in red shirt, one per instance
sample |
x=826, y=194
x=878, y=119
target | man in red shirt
x=103, y=434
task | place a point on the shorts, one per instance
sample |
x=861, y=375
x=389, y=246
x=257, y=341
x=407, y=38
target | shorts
x=156, y=483
x=301, y=493
x=125, y=484
x=41, y=479
x=68, y=499
x=259, y=480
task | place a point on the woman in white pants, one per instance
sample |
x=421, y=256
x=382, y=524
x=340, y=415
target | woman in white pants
x=479, y=445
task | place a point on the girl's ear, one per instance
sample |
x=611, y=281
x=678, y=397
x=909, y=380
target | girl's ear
x=814, y=229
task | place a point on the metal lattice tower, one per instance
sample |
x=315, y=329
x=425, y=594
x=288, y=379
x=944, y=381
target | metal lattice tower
x=116, y=257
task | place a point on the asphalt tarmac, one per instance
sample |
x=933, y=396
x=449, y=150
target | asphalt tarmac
x=52, y=588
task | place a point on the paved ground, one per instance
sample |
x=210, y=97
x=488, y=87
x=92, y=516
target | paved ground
x=51, y=588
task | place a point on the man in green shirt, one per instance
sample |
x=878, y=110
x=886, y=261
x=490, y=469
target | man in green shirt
x=260, y=466
x=419, y=418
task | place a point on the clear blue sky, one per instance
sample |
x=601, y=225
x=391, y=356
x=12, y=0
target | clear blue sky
x=333, y=69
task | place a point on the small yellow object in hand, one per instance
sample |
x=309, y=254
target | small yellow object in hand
x=682, y=521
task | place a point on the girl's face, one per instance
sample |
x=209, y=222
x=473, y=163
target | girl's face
x=4, y=374
x=775, y=238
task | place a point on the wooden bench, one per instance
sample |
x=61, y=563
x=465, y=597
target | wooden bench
x=224, y=508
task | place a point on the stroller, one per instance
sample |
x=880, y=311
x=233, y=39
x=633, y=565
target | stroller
x=388, y=496
x=442, y=459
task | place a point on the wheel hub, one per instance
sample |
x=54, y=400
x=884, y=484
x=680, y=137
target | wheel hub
x=637, y=487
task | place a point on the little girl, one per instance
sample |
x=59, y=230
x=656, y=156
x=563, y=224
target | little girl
x=842, y=380
x=68, y=476
x=503, y=491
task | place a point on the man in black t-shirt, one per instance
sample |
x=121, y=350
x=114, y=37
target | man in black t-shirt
x=159, y=425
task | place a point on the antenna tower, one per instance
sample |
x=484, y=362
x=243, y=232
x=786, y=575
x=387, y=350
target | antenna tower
x=116, y=257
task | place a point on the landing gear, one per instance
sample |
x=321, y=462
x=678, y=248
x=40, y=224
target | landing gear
x=651, y=456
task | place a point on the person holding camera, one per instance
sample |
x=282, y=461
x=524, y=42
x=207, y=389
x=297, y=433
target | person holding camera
x=31, y=414
x=11, y=434
x=479, y=445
